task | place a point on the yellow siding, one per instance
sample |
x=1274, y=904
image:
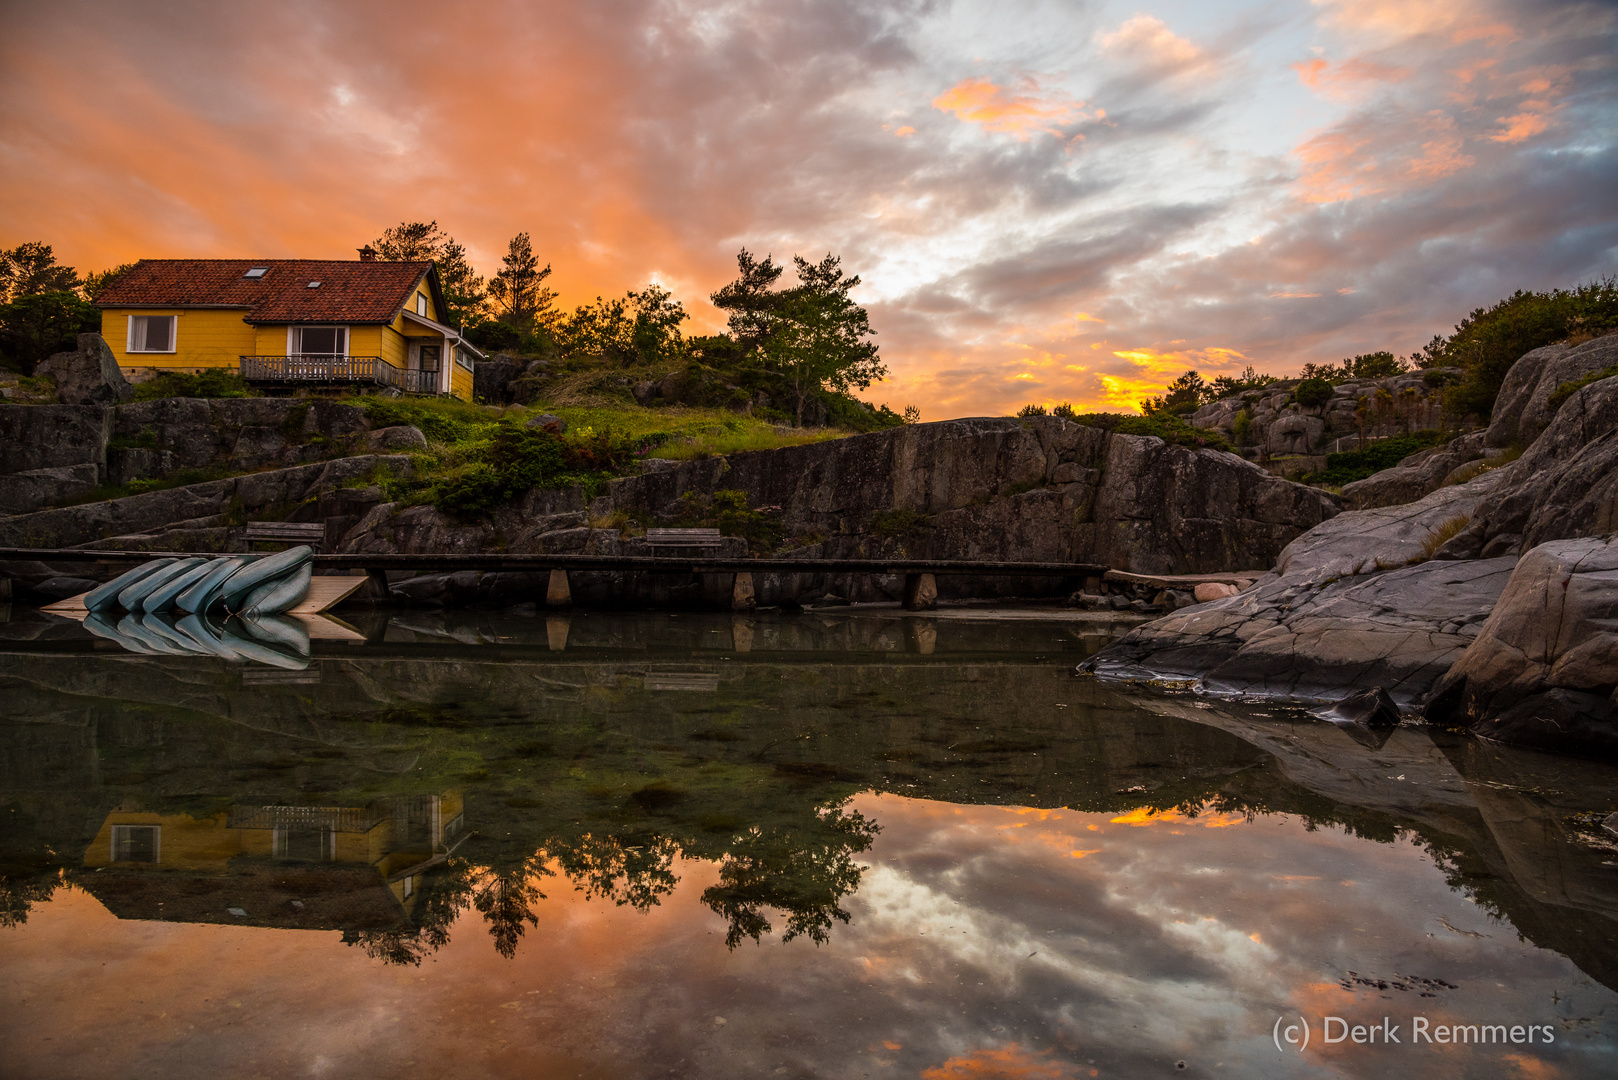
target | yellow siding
x=202, y=339
x=271, y=341
x=394, y=348
x=460, y=382
x=184, y=842
x=365, y=340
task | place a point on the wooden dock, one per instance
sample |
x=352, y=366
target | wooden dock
x=920, y=591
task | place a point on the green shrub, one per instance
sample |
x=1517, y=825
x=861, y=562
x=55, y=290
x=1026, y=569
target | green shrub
x=1031, y=410
x=212, y=383
x=761, y=528
x=1242, y=427
x=1314, y=393
x=1353, y=465
x=1568, y=389
x=1164, y=425
x=897, y=524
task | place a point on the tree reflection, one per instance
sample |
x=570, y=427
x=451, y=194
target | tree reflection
x=505, y=898
x=803, y=873
x=638, y=875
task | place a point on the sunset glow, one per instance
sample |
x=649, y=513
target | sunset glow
x=1264, y=185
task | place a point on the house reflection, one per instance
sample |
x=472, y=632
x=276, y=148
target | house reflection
x=304, y=867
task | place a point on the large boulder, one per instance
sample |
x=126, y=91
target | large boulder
x=1383, y=538
x=1543, y=670
x=89, y=375
x=36, y=437
x=25, y=492
x=492, y=378
x=1522, y=410
x=1422, y=473
x=1564, y=486
x=1300, y=636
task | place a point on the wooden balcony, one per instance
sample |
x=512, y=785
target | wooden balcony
x=334, y=370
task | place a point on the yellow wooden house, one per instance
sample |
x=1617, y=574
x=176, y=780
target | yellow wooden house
x=362, y=863
x=289, y=323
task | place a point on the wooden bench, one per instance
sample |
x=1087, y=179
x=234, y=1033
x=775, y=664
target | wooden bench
x=312, y=533
x=705, y=539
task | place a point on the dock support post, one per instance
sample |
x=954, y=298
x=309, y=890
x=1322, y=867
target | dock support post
x=556, y=628
x=378, y=588
x=558, y=594
x=921, y=592
x=741, y=592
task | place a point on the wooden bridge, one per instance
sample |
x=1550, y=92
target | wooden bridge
x=920, y=591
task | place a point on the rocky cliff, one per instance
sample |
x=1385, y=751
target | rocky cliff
x=1491, y=601
x=1040, y=489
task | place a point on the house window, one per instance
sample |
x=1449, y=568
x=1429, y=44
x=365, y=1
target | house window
x=151, y=333
x=305, y=845
x=320, y=341
x=421, y=304
x=257, y=272
x=136, y=843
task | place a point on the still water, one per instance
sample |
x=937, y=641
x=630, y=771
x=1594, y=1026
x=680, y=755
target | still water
x=844, y=844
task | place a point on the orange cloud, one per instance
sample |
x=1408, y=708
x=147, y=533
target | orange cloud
x=1525, y=125
x=1321, y=75
x=1010, y=1062
x=1336, y=167
x=994, y=108
x=1148, y=40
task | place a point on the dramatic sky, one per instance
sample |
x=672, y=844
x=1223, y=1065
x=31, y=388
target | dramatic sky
x=1046, y=201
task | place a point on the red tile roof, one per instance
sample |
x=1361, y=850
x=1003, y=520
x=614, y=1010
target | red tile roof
x=349, y=292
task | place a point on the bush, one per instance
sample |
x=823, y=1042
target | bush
x=212, y=383
x=1032, y=410
x=1352, y=465
x=1165, y=426
x=1242, y=427
x=1314, y=393
x=1568, y=389
x=1487, y=342
x=760, y=528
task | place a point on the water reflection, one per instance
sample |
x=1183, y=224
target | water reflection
x=967, y=813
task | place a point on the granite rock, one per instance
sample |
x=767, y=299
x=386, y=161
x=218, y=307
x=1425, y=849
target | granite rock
x=1303, y=636
x=89, y=375
x=1543, y=670
x=1522, y=410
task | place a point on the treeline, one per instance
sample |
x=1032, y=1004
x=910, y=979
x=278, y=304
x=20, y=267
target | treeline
x=811, y=338
x=1484, y=345
x=44, y=305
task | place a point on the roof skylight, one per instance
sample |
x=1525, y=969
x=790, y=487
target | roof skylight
x=257, y=272
x=313, y=285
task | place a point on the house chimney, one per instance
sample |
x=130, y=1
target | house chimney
x=367, y=253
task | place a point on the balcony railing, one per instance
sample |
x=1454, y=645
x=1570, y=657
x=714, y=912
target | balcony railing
x=310, y=368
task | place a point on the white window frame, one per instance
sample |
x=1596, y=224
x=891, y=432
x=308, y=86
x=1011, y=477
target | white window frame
x=174, y=335
x=421, y=304
x=293, y=341
x=157, y=842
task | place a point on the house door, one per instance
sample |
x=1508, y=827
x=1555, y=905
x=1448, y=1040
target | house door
x=426, y=360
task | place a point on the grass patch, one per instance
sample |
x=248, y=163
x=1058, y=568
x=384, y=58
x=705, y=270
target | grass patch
x=1352, y=465
x=1440, y=536
x=181, y=478
x=211, y=383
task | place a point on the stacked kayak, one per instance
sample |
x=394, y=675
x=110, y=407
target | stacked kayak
x=244, y=585
x=277, y=640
